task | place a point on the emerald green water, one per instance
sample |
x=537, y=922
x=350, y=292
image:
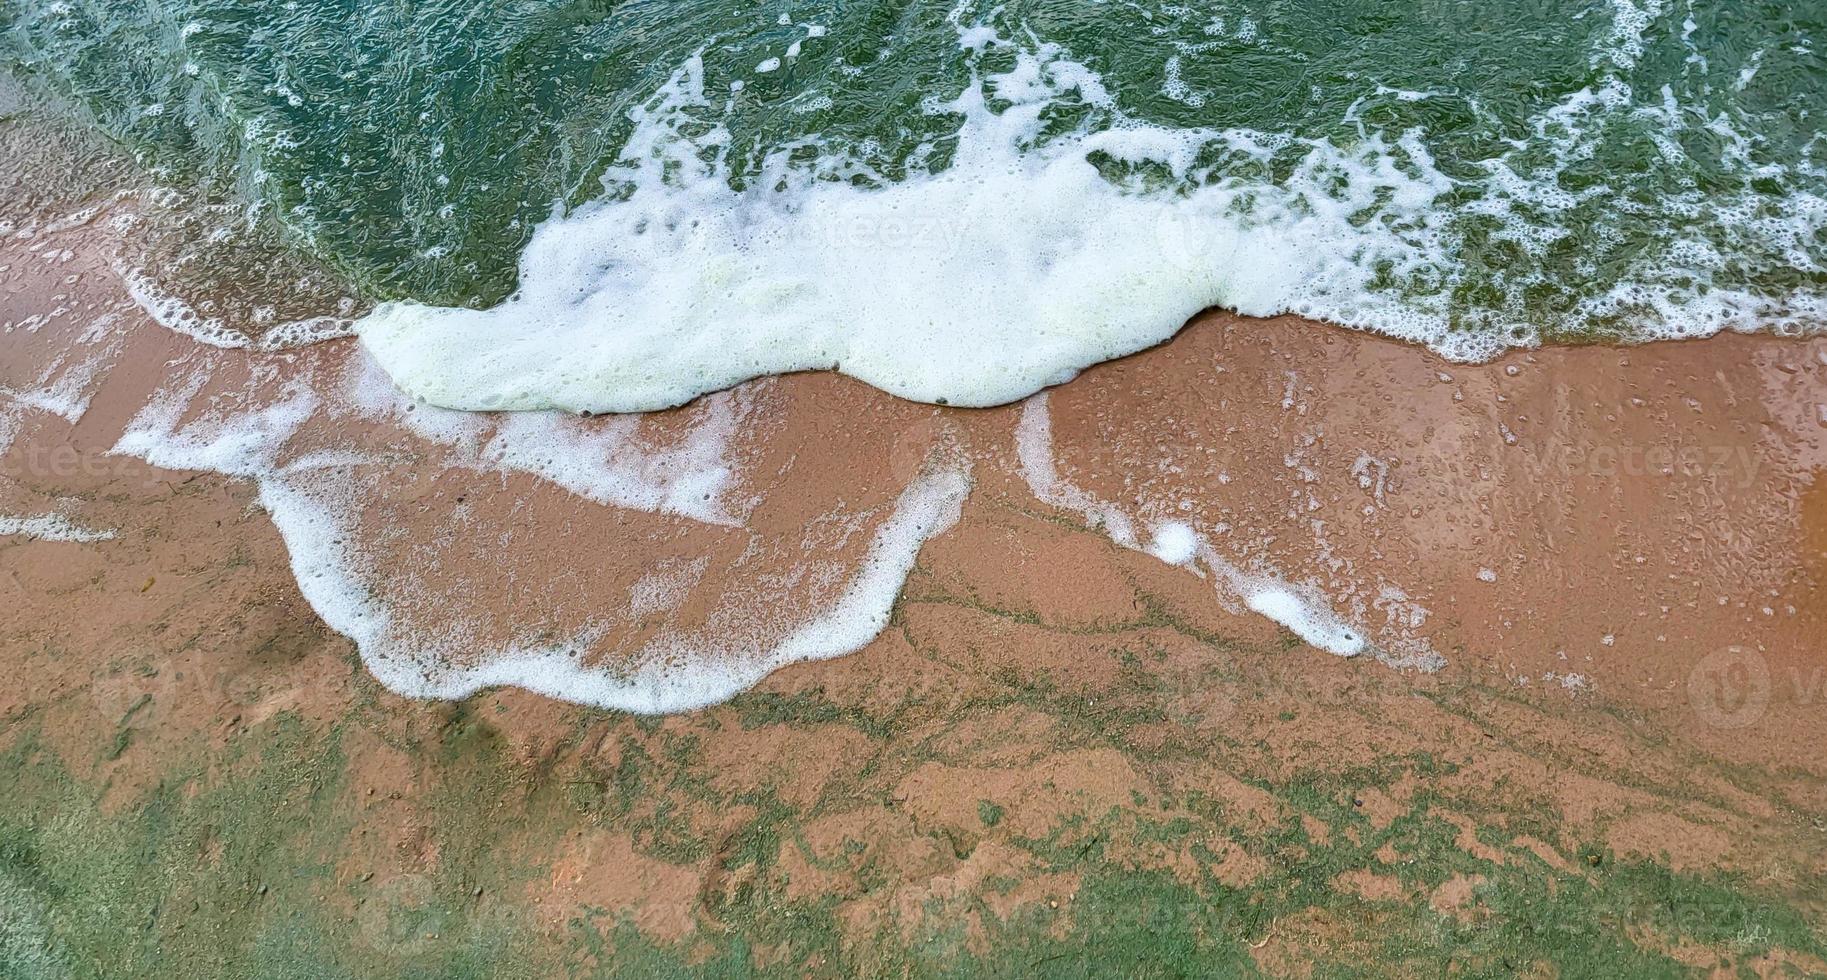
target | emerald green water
x=1612, y=168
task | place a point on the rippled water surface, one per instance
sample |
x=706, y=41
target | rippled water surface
x=1472, y=174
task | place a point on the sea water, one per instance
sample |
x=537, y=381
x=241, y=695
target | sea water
x=619, y=206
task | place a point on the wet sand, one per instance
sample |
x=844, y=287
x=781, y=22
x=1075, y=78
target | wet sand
x=1590, y=577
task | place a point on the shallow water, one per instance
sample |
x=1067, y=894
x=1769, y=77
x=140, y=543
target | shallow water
x=1040, y=185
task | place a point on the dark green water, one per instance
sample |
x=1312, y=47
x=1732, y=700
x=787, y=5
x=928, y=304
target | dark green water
x=1644, y=168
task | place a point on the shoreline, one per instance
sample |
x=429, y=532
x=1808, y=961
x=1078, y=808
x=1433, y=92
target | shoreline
x=1033, y=678
x=1291, y=510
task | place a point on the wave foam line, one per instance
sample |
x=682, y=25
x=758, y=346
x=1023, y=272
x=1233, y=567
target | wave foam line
x=1301, y=609
x=1018, y=264
x=311, y=500
x=51, y=527
x=597, y=459
x=673, y=674
x=172, y=312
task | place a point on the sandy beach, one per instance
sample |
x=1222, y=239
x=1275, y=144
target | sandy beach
x=1585, y=726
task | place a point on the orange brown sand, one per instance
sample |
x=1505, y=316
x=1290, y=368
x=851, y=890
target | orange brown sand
x=1620, y=552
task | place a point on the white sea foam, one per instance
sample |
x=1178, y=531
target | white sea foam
x=172, y=312
x=244, y=444
x=1021, y=261
x=315, y=500
x=597, y=459
x=1034, y=449
x=67, y=397
x=1007, y=271
x=63, y=390
x=65, y=385
x=51, y=527
x=1176, y=543
x=665, y=587
x=1306, y=619
x=681, y=673
x=674, y=673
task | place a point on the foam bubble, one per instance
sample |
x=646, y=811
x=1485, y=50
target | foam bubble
x=1175, y=543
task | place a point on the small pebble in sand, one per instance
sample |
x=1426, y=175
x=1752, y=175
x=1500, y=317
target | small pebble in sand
x=1486, y=575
